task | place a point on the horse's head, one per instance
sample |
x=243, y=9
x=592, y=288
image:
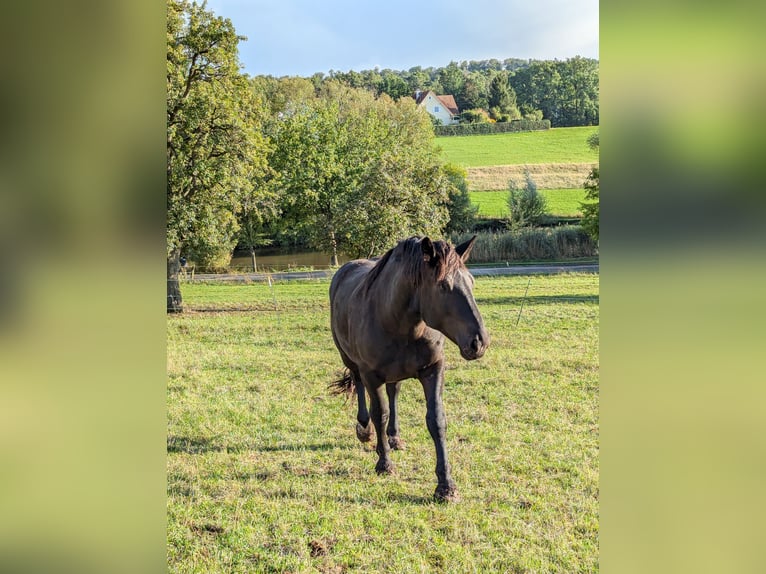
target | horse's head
x=446, y=297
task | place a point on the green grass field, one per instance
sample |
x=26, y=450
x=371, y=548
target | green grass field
x=561, y=202
x=557, y=145
x=265, y=474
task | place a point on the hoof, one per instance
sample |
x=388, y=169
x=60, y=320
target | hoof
x=364, y=434
x=446, y=494
x=396, y=443
x=384, y=467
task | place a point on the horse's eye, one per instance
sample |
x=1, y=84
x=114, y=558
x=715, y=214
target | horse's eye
x=444, y=286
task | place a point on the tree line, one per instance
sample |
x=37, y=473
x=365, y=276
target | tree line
x=566, y=92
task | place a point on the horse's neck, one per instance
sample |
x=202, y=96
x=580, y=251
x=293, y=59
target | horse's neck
x=397, y=303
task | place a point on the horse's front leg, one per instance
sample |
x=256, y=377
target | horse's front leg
x=380, y=415
x=432, y=380
x=394, y=440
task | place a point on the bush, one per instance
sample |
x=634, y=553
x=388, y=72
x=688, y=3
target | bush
x=475, y=116
x=490, y=128
x=527, y=206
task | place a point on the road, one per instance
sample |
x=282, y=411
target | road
x=538, y=269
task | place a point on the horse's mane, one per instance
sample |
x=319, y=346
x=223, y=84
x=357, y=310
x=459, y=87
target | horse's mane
x=414, y=265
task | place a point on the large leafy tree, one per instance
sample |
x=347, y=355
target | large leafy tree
x=451, y=79
x=538, y=87
x=215, y=152
x=579, y=92
x=565, y=91
x=356, y=172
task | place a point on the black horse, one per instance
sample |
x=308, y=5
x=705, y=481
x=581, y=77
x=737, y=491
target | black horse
x=389, y=319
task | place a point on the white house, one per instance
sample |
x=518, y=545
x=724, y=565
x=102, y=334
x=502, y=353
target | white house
x=442, y=108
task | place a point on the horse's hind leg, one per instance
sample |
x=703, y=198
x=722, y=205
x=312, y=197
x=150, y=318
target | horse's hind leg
x=380, y=413
x=394, y=440
x=364, y=426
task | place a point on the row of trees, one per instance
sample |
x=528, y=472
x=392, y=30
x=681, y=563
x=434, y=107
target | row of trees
x=564, y=91
x=251, y=159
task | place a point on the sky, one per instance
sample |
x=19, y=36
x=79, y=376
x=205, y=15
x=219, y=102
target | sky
x=302, y=37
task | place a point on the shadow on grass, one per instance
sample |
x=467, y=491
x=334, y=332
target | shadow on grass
x=191, y=445
x=199, y=445
x=413, y=499
x=301, y=447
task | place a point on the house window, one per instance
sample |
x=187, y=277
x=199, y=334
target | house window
x=437, y=109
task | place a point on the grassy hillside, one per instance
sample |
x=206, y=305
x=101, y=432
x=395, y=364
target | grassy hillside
x=265, y=474
x=557, y=145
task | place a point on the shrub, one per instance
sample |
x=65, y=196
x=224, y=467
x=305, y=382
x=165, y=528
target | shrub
x=475, y=116
x=526, y=205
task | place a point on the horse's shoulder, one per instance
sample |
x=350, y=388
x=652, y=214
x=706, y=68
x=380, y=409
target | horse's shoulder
x=350, y=273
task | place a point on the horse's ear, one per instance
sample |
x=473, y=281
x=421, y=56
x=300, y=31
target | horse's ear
x=464, y=249
x=428, y=249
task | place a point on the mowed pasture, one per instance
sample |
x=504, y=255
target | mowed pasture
x=265, y=474
x=560, y=202
x=556, y=146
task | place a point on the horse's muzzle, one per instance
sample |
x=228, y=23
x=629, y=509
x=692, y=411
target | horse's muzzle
x=476, y=347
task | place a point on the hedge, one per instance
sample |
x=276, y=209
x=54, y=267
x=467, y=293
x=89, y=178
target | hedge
x=531, y=244
x=490, y=128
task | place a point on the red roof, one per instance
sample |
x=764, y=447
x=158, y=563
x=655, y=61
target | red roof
x=447, y=101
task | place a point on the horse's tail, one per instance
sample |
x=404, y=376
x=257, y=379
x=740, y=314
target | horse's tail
x=344, y=385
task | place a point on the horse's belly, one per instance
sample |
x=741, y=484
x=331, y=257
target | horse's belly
x=398, y=362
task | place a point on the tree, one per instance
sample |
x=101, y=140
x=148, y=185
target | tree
x=578, y=92
x=320, y=151
x=565, y=91
x=253, y=215
x=473, y=94
x=537, y=88
x=590, y=210
x=356, y=172
x=451, y=79
x=502, y=99
x=462, y=213
x=394, y=85
x=215, y=151
x=526, y=205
